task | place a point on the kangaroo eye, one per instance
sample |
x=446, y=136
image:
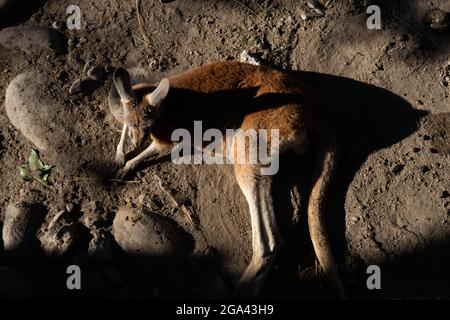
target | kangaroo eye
x=147, y=113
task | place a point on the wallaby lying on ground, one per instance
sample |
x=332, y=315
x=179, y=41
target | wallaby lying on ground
x=234, y=95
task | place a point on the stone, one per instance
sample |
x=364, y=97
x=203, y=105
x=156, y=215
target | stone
x=69, y=207
x=33, y=40
x=96, y=73
x=19, y=228
x=58, y=234
x=75, y=88
x=33, y=112
x=99, y=248
x=58, y=25
x=146, y=234
x=94, y=215
x=37, y=106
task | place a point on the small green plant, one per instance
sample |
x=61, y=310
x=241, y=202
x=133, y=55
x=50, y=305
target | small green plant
x=35, y=169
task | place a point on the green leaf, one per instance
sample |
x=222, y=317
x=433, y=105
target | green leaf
x=24, y=173
x=34, y=161
x=47, y=168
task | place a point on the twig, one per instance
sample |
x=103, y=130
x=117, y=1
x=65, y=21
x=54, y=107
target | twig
x=147, y=42
x=102, y=179
x=45, y=184
x=188, y=214
x=169, y=195
x=251, y=11
x=136, y=37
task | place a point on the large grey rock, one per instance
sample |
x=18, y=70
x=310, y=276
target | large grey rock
x=36, y=106
x=146, y=234
x=19, y=228
x=32, y=109
x=33, y=40
x=58, y=234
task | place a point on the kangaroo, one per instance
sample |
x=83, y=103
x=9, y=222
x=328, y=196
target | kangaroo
x=238, y=95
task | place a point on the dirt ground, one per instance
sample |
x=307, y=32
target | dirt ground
x=389, y=204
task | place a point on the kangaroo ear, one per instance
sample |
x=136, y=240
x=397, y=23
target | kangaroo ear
x=157, y=97
x=123, y=84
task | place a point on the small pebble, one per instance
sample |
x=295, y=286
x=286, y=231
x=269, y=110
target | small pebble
x=58, y=25
x=303, y=15
x=69, y=207
x=109, y=69
x=96, y=73
x=153, y=64
x=88, y=65
x=75, y=87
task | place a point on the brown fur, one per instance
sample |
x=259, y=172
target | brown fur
x=231, y=95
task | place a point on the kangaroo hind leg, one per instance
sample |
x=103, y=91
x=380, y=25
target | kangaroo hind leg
x=266, y=239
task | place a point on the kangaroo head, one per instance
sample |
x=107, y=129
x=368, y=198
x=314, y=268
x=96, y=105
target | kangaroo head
x=139, y=113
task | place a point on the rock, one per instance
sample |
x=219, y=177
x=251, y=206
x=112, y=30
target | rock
x=438, y=20
x=249, y=58
x=82, y=87
x=75, y=88
x=88, y=64
x=153, y=64
x=100, y=246
x=96, y=73
x=38, y=108
x=14, y=284
x=58, y=25
x=33, y=40
x=19, y=228
x=58, y=234
x=69, y=207
x=33, y=112
x=146, y=234
x=94, y=216
x=109, y=69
